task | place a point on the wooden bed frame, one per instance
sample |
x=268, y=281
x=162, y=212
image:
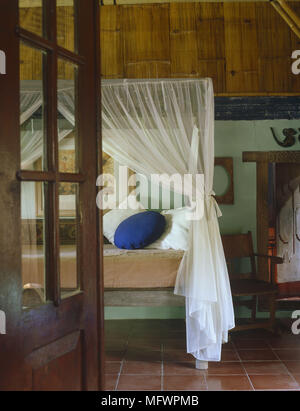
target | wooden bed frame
x=238, y=245
x=235, y=246
x=144, y=297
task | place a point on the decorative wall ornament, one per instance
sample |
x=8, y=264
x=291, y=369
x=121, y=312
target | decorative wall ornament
x=289, y=137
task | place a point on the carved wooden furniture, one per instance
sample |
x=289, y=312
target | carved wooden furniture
x=240, y=246
x=274, y=169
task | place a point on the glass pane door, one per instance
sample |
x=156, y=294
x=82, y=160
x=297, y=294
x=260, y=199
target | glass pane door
x=49, y=243
x=50, y=157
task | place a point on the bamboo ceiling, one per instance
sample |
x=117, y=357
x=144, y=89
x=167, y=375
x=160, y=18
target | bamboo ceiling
x=36, y=3
x=245, y=47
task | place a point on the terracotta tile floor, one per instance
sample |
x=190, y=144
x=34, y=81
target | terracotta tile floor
x=146, y=355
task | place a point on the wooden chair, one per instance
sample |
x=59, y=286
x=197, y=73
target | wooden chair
x=240, y=246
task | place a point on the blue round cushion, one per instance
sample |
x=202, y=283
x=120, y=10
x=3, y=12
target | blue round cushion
x=140, y=230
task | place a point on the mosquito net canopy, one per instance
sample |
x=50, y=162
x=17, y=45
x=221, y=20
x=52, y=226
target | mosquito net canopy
x=165, y=127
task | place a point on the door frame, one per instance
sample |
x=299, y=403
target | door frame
x=80, y=318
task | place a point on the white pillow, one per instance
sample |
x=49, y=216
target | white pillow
x=113, y=218
x=176, y=234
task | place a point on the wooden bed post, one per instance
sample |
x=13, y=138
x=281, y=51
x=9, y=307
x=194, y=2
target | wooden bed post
x=201, y=365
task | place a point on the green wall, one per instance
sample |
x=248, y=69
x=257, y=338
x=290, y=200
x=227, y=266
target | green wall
x=231, y=139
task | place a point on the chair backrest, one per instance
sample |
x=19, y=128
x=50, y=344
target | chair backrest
x=239, y=246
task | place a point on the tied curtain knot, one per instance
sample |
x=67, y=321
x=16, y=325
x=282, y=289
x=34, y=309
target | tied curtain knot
x=212, y=205
x=208, y=204
x=209, y=199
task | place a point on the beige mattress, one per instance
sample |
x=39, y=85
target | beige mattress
x=147, y=268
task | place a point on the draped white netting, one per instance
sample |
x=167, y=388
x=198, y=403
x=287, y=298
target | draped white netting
x=32, y=149
x=167, y=127
x=32, y=141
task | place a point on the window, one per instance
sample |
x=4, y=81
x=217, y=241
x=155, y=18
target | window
x=50, y=168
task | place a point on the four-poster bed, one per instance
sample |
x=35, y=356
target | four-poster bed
x=166, y=127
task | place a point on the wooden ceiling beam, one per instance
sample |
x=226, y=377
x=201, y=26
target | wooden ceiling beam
x=37, y=3
x=287, y=8
x=288, y=15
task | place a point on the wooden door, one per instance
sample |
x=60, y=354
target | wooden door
x=286, y=192
x=50, y=282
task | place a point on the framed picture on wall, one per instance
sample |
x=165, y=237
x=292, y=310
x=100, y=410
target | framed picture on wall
x=223, y=183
